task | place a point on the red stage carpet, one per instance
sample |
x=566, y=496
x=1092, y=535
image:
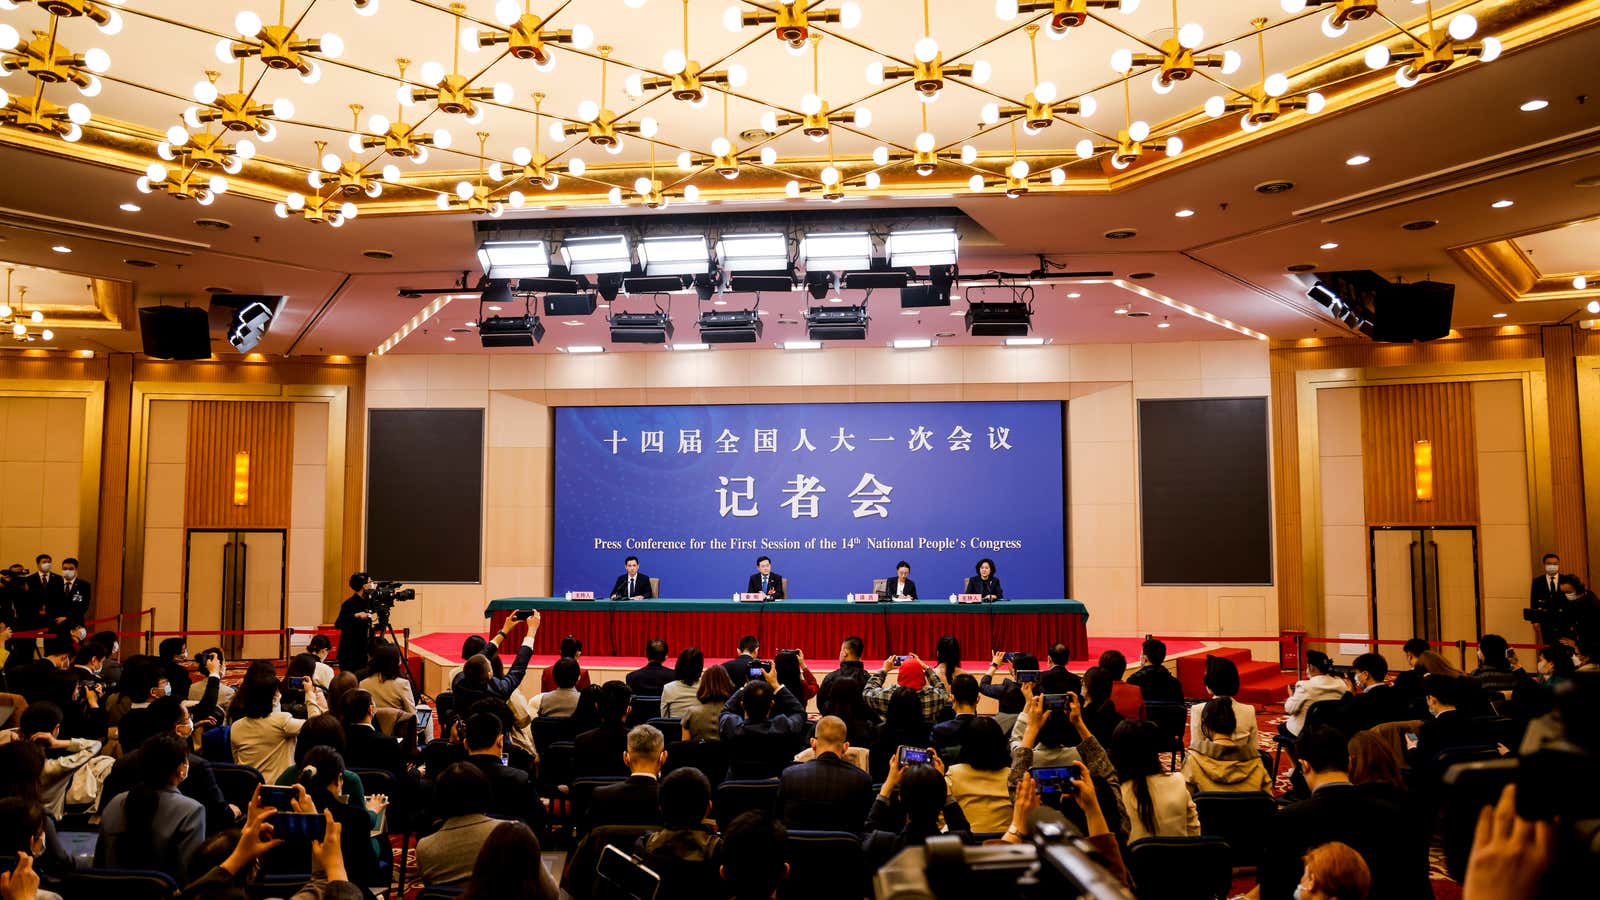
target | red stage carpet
x=446, y=645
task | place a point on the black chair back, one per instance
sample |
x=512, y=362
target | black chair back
x=124, y=884
x=824, y=864
x=671, y=729
x=444, y=706
x=1242, y=818
x=579, y=881
x=1468, y=788
x=549, y=730
x=643, y=709
x=582, y=791
x=710, y=757
x=1191, y=868
x=738, y=796
x=238, y=783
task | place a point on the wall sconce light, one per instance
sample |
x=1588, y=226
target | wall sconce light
x=1422, y=467
x=241, y=478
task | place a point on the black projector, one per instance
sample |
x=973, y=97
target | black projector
x=998, y=319
x=836, y=323
x=510, y=331
x=640, y=328
x=736, y=327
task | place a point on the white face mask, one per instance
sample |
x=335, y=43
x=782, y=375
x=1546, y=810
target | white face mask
x=1571, y=596
x=44, y=567
x=69, y=573
x=1552, y=570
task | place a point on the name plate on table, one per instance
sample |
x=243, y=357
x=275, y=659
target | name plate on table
x=968, y=598
x=580, y=595
x=863, y=598
x=750, y=598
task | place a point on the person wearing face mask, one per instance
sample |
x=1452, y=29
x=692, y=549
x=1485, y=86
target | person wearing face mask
x=1545, y=596
x=71, y=607
x=1497, y=665
x=46, y=584
x=1576, y=614
x=1373, y=700
x=1445, y=728
x=355, y=625
x=1587, y=656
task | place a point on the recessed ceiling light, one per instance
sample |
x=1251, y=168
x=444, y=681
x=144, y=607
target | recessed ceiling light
x=1275, y=186
x=212, y=224
x=1331, y=245
x=1121, y=234
x=681, y=347
x=1025, y=342
x=945, y=334
x=61, y=248
x=910, y=312
x=1302, y=267
x=378, y=254
x=958, y=312
x=1534, y=105
x=719, y=302
x=1502, y=204
x=1163, y=324
x=140, y=263
x=911, y=343
x=1358, y=160
x=494, y=309
x=1184, y=213
x=472, y=324
x=1074, y=295
x=572, y=322
x=1499, y=315
x=129, y=207
x=1140, y=276
x=801, y=345
x=449, y=337
x=761, y=312
x=836, y=299
x=1120, y=311
x=584, y=349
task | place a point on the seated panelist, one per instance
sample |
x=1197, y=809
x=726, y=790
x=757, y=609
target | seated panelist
x=765, y=581
x=985, y=582
x=901, y=584
x=632, y=584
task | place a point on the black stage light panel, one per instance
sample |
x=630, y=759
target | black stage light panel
x=736, y=327
x=864, y=281
x=510, y=331
x=749, y=283
x=641, y=328
x=655, y=284
x=836, y=323
x=998, y=319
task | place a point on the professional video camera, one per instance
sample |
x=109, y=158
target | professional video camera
x=1058, y=865
x=385, y=594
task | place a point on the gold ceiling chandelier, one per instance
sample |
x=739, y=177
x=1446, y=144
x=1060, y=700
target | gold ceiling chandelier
x=1051, y=138
x=16, y=320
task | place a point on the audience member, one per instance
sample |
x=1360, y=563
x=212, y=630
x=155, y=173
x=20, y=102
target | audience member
x=1219, y=759
x=561, y=700
x=752, y=856
x=262, y=735
x=510, y=865
x=923, y=799
x=790, y=667
x=1008, y=693
x=1222, y=682
x=22, y=837
x=1374, y=768
x=703, y=721
x=477, y=679
x=686, y=852
x=226, y=881
x=300, y=687
x=1394, y=849
x=571, y=648
x=461, y=798
x=1587, y=655
x=388, y=684
x=209, y=693
x=845, y=703
x=1374, y=701
x=40, y=724
x=904, y=725
x=1333, y=871
x=979, y=782
x=1554, y=664
x=1446, y=728
x=633, y=800
x=763, y=726
x=1154, y=681
x=320, y=646
x=173, y=653
x=678, y=695
x=652, y=679
x=168, y=716
x=22, y=765
x=326, y=782
x=1099, y=709
x=948, y=737
x=1125, y=696
x=46, y=679
x=1408, y=681
x=368, y=748
x=343, y=682
x=913, y=675
x=153, y=826
x=1322, y=685
x=1496, y=669
x=1059, y=655
x=1056, y=739
x=947, y=658
x=828, y=793
x=511, y=793
x=851, y=668
x=1158, y=803
x=748, y=657
x=111, y=673
x=599, y=751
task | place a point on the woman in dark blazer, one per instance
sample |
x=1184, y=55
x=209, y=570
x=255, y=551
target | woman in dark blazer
x=892, y=587
x=985, y=582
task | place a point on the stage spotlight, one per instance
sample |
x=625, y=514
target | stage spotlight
x=609, y=284
x=819, y=284
x=836, y=323
x=753, y=252
x=836, y=252
x=597, y=255
x=514, y=259
x=640, y=328
x=740, y=326
x=935, y=247
x=998, y=319
x=510, y=331
x=677, y=255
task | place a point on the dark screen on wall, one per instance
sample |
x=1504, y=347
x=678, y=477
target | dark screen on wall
x=425, y=494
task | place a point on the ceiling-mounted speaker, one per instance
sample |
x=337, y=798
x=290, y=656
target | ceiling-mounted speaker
x=569, y=304
x=175, y=332
x=1415, y=311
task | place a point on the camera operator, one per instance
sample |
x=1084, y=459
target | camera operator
x=355, y=624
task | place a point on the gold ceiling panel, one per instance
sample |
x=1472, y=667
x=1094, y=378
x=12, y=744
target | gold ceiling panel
x=548, y=104
x=1508, y=270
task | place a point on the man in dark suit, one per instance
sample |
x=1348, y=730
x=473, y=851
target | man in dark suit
x=599, y=751
x=511, y=790
x=1372, y=701
x=951, y=733
x=632, y=584
x=1446, y=727
x=851, y=668
x=763, y=726
x=168, y=715
x=355, y=625
x=655, y=675
x=765, y=581
x=749, y=657
x=46, y=585
x=633, y=802
x=72, y=607
x=827, y=793
x=901, y=584
x=47, y=679
x=1408, y=681
x=1394, y=848
x=365, y=747
x=1152, y=678
x=1544, y=594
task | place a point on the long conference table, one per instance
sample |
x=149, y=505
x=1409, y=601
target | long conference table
x=621, y=628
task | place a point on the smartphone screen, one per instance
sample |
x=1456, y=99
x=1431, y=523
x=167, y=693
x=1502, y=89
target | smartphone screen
x=1411, y=740
x=1008, y=657
x=1027, y=675
x=914, y=756
x=625, y=877
x=281, y=798
x=1055, y=781
x=294, y=684
x=8, y=863
x=757, y=672
x=307, y=826
x=1057, y=702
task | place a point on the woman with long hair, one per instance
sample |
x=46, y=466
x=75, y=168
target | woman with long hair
x=947, y=658
x=1158, y=802
x=387, y=681
x=703, y=721
x=323, y=775
x=790, y=667
x=1222, y=682
x=153, y=826
x=978, y=781
x=678, y=696
x=903, y=725
x=263, y=734
x=845, y=702
x=509, y=867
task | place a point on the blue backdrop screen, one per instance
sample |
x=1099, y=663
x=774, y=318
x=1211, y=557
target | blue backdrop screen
x=836, y=494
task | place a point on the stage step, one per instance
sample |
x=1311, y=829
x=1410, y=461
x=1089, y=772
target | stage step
x=1260, y=683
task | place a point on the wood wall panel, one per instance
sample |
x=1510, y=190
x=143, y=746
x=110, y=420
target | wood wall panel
x=1352, y=354
x=1566, y=448
x=113, y=485
x=217, y=430
x=1393, y=418
x=1286, y=499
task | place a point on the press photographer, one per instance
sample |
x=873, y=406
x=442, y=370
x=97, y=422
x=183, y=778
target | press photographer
x=355, y=622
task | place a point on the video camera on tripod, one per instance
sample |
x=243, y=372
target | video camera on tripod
x=385, y=594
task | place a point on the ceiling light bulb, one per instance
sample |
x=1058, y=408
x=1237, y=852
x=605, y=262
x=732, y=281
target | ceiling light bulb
x=673, y=61
x=769, y=121
x=496, y=171
x=982, y=71
x=331, y=162
x=1122, y=60
x=517, y=199
x=507, y=12
x=1492, y=49
x=156, y=173
x=142, y=183
x=314, y=178
x=378, y=123
x=366, y=7
x=733, y=18
x=503, y=92
x=720, y=146
x=990, y=113
x=1139, y=130
x=1162, y=87
x=926, y=50
x=1129, y=7
x=691, y=193
x=164, y=150
x=1276, y=85
x=348, y=210
x=1293, y=6
x=633, y=4
x=830, y=175
x=811, y=104
x=1019, y=168
x=642, y=186
x=685, y=161
x=74, y=133
x=283, y=108
x=1405, y=76
x=442, y=201
x=1216, y=105
x=1005, y=10
x=769, y=155
x=582, y=39
x=1191, y=36
x=634, y=85
x=863, y=117
x=1248, y=124
x=313, y=75
x=391, y=173
x=332, y=45
x=924, y=143
x=295, y=200
x=1085, y=148
x=476, y=117
x=191, y=117
x=248, y=23
x=47, y=334
x=1329, y=29
x=975, y=184
x=442, y=139
x=1377, y=56
x=463, y=189
x=738, y=76
x=268, y=134
x=615, y=147
x=9, y=38
x=113, y=24
x=217, y=184
x=576, y=166
x=79, y=114
x=205, y=91
x=649, y=127
x=1231, y=61
x=224, y=51
x=432, y=72
x=557, y=133
x=91, y=86
x=1174, y=145
x=1580, y=283
x=588, y=110
x=19, y=329
x=875, y=72
x=1045, y=92
x=1315, y=102
x=849, y=14
x=402, y=95
x=1463, y=27
x=614, y=196
x=374, y=189
x=96, y=60
x=245, y=149
x=873, y=180
x=792, y=189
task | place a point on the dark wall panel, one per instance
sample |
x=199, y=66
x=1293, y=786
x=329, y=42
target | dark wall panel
x=425, y=494
x=1205, y=491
